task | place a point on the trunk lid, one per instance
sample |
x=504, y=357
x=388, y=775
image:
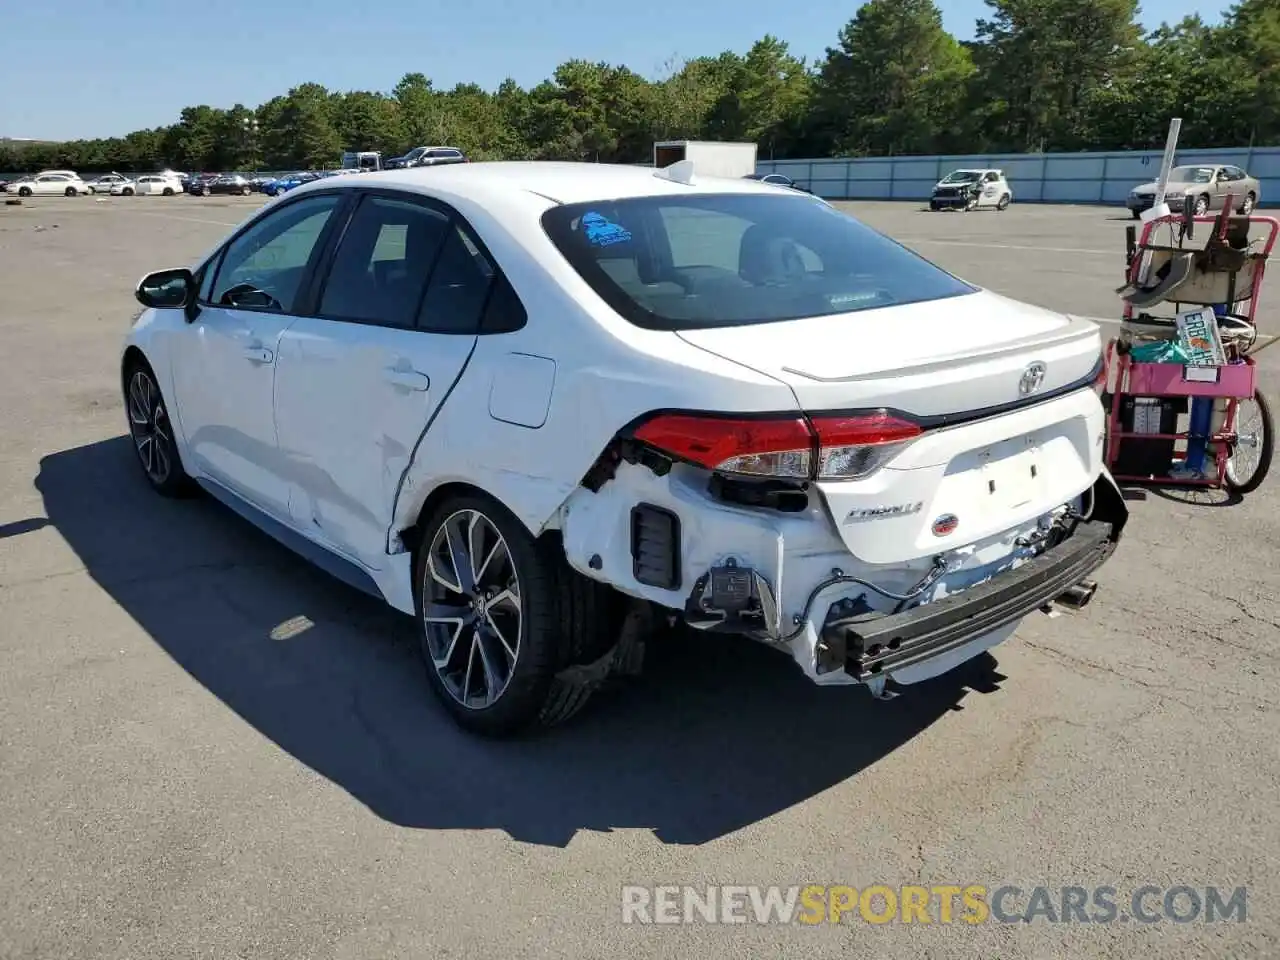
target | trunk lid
x=983, y=374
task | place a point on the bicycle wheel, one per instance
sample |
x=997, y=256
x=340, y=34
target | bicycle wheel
x=1251, y=452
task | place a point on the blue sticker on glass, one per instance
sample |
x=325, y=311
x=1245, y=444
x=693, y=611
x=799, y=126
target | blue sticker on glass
x=601, y=233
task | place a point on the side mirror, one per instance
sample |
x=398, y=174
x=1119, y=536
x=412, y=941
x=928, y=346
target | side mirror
x=167, y=289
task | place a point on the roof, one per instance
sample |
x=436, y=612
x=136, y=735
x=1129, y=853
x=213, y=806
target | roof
x=556, y=181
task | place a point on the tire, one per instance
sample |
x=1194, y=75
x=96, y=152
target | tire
x=152, y=433
x=1250, y=201
x=1003, y=202
x=127, y=192
x=69, y=192
x=1265, y=453
x=1137, y=214
x=933, y=205
x=557, y=617
x=1202, y=205
x=24, y=191
x=971, y=204
x=168, y=192
x=93, y=189
x=204, y=191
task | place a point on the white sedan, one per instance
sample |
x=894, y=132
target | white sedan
x=153, y=184
x=49, y=185
x=105, y=183
x=541, y=407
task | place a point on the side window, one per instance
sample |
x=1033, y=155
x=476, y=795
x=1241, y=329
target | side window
x=383, y=262
x=504, y=313
x=459, y=287
x=262, y=269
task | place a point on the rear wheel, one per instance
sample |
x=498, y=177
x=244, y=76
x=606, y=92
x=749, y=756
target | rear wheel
x=1251, y=454
x=127, y=192
x=1003, y=204
x=500, y=615
x=168, y=192
x=1250, y=201
x=24, y=191
x=69, y=192
x=1202, y=205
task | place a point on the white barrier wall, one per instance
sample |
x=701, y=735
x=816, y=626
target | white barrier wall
x=1036, y=177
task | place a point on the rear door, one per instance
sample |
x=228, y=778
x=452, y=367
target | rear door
x=360, y=381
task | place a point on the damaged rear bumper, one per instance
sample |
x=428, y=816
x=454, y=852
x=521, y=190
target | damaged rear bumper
x=867, y=646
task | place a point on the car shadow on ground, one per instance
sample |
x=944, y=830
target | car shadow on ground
x=717, y=735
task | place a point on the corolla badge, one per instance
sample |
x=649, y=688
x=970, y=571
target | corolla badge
x=945, y=524
x=1032, y=379
x=888, y=510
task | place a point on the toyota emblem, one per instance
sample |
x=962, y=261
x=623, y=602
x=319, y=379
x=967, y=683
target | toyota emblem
x=1032, y=379
x=945, y=524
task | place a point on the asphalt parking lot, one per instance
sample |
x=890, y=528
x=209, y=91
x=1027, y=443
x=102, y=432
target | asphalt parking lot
x=182, y=779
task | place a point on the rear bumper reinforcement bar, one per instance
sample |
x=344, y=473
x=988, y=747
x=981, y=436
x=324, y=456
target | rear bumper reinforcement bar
x=867, y=646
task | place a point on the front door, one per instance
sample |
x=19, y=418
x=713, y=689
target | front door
x=225, y=363
x=358, y=384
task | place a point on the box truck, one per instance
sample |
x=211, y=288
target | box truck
x=710, y=158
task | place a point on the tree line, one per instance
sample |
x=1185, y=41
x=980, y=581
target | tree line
x=1040, y=75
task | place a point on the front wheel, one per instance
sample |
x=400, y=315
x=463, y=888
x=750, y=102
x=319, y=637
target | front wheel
x=152, y=433
x=1250, y=201
x=69, y=192
x=1003, y=203
x=167, y=192
x=1254, y=446
x=500, y=614
x=127, y=192
x=1202, y=205
x=24, y=191
x=1137, y=214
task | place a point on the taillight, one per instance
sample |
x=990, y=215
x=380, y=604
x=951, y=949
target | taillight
x=796, y=448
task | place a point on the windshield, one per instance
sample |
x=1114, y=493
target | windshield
x=415, y=153
x=962, y=176
x=1191, y=174
x=724, y=260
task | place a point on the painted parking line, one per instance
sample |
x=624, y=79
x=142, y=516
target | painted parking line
x=1011, y=246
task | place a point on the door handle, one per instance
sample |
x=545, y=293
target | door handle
x=258, y=354
x=408, y=379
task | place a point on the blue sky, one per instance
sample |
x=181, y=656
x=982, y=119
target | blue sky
x=74, y=69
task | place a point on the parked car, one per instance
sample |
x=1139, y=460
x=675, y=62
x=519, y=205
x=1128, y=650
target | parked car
x=571, y=400
x=226, y=184
x=151, y=183
x=104, y=183
x=972, y=190
x=1204, y=186
x=777, y=179
x=288, y=182
x=122, y=188
x=426, y=157
x=49, y=184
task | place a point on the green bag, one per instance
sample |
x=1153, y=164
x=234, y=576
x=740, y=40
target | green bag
x=1158, y=351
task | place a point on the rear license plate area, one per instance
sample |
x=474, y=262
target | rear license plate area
x=1014, y=479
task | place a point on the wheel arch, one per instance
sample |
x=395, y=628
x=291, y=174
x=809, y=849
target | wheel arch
x=411, y=535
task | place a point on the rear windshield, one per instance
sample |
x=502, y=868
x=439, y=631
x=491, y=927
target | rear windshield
x=725, y=260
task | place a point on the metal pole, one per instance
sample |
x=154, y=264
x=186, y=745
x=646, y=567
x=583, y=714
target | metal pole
x=1158, y=208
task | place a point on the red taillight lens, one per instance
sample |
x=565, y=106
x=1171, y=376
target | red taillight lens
x=822, y=448
x=766, y=447
x=851, y=448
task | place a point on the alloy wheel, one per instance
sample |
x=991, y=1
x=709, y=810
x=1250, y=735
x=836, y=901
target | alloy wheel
x=473, y=618
x=149, y=426
x=1245, y=459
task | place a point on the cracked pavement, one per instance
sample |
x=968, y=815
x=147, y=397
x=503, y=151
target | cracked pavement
x=191, y=770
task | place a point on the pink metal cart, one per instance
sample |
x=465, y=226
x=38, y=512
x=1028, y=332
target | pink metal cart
x=1145, y=401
